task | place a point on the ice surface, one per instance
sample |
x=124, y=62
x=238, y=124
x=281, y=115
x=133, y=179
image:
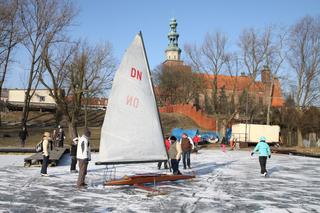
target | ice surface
x=225, y=182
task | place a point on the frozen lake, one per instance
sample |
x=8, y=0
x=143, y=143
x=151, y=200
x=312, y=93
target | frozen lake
x=225, y=182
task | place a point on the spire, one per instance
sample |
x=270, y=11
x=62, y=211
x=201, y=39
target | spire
x=173, y=51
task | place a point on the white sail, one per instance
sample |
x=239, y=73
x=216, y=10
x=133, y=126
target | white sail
x=131, y=130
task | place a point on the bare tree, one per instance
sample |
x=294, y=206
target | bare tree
x=214, y=59
x=233, y=68
x=177, y=84
x=99, y=73
x=75, y=73
x=262, y=49
x=253, y=51
x=210, y=58
x=10, y=36
x=304, y=59
x=274, y=58
x=54, y=76
x=44, y=23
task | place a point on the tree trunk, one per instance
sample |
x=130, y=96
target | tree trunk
x=86, y=113
x=73, y=130
x=27, y=98
x=247, y=96
x=1, y=107
x=299, y=137
x=58, y=115
x=5, y=72
x=25, y=110
x=289, y=138
x=270, y=101
x=214, y=94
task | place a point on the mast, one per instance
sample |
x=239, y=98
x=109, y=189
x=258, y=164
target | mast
x=152, y=88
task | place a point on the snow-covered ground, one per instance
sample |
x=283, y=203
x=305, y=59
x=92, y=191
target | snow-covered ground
x=225, y=183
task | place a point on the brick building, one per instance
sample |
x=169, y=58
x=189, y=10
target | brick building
x=233, y=85
x=258, y=90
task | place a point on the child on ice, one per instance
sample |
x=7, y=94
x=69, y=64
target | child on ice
x=224, y=144
x=264, y=151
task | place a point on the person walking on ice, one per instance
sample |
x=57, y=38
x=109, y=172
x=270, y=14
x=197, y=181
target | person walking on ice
x=187, y=146
x=264, y=151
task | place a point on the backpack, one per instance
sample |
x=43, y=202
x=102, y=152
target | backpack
x=39, y=146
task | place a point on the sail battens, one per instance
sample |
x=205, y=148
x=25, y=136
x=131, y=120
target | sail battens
x=131, y=130
x=129, y=162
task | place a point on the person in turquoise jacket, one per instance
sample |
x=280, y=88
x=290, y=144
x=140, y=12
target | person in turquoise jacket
x=264, y=151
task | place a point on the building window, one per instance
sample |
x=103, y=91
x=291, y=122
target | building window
x=42, y=98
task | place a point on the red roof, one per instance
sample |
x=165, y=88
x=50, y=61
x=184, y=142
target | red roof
x=240, y=83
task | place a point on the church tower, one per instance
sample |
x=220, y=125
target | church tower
x=173, y=51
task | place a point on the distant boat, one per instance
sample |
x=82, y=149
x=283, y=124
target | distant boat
x=132, y=131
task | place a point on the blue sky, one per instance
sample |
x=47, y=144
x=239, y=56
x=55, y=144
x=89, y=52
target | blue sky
x=117, y=21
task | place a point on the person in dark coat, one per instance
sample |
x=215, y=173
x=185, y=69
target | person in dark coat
x=23, y=134
x=73, y=154
x=60, y=136
x=187, y=146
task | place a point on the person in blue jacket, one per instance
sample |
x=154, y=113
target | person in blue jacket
x=264, y=151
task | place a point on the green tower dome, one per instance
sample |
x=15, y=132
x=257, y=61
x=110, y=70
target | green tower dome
x=173, y=51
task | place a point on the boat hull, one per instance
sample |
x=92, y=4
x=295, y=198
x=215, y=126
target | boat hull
x=144, y=179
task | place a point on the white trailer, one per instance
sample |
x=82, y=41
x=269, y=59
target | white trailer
x=251, y=133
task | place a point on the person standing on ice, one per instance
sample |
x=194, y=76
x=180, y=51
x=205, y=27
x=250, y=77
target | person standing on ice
x=46, y=140
x=187, y=146
x=196, y=141
x=60, y=137
x=224, y=144
x=73, y=153
x=83, y=156
x=23, y=134
x=264, y=151
x=175, y=155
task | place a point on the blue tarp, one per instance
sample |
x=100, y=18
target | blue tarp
x=177, y=132
x=209, y=135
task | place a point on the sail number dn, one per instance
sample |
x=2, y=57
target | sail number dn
x=132, y=100
x=136, y=74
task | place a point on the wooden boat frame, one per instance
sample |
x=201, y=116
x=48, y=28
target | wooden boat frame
x=140, y=180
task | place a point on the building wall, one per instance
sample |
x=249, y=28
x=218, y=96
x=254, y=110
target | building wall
x=199, y=117
x=172, y=55
x=258, y=96
x=39, y=97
